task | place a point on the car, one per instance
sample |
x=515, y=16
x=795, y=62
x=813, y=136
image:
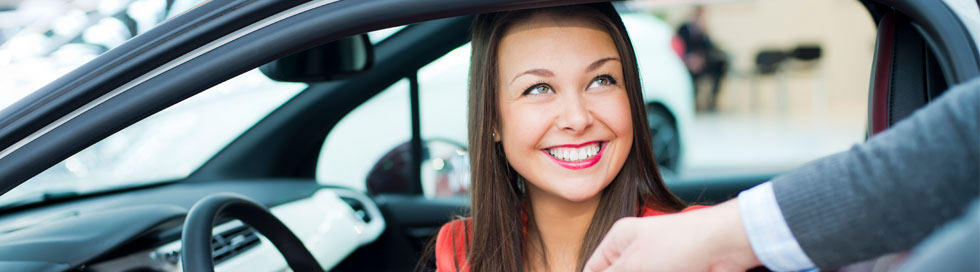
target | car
x=230, y=189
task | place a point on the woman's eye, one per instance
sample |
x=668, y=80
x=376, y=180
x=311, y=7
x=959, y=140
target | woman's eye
x=602, y=81
x=538, y=89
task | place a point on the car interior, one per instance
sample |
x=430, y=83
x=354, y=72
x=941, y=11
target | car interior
x=920, y=50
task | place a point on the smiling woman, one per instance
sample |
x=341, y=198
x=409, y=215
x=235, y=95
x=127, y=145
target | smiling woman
x=560, y=147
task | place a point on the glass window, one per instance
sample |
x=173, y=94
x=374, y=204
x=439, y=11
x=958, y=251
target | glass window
x=364, y=136
x=166, y=146
x=443, y=95
x=43, y=40
x=384, y=121
x=380, y=35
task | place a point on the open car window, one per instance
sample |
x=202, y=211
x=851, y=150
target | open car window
x=166, y=146
x=43, y=40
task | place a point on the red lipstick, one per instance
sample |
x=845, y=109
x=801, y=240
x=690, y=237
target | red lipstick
x=576, y=165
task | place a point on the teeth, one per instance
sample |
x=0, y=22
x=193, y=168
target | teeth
x=575, y=154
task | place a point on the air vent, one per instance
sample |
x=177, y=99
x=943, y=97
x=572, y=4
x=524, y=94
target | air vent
x=358, y=208
x=231, y=242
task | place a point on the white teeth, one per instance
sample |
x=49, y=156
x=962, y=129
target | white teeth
x=575, y=154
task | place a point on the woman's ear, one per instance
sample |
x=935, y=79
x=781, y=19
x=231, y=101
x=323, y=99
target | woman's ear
x=495, y=135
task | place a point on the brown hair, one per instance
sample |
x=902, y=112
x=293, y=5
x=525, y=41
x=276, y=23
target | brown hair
x=497, y=240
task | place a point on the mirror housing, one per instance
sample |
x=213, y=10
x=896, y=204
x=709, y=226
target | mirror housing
x=339, y=59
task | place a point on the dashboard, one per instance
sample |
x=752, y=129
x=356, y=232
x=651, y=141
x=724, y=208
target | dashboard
x=144, y=234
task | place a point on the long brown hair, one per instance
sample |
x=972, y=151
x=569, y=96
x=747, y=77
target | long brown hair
x=499, y=206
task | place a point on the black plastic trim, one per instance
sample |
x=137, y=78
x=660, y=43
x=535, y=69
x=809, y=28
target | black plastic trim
x=104, y=230
x=947, y=36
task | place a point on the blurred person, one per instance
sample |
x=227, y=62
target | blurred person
x=702, y=58
x=885, y=195
x=559, y=144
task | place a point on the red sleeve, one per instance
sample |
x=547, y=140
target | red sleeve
x=694, y=207
x=652, y=212
x=451, y=246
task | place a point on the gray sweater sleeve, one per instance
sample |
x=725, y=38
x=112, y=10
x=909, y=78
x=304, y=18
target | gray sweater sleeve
x=887, y=194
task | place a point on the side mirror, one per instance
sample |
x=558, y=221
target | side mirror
x=336, y=60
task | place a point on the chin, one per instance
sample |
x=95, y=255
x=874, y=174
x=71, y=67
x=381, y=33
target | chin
x=580, y=194
x=581, y=198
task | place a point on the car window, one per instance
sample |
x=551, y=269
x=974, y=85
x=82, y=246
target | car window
x=363, y=136
x=384, y=121
x=380, y=35
x=753, y=99
x=42, y=40
x=166, y=146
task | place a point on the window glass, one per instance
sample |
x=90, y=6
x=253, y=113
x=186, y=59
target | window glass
x=443, y=95
x=380, y=35
x=363, y=136
x=371, y=142
x=42, y=40
x=166, y=146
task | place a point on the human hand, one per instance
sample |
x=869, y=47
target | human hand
x=710, y=239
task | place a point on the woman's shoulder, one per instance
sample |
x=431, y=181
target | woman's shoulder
x=451, y=245
x=647, y=211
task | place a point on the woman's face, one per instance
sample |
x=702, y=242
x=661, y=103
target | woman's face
x=565, y=116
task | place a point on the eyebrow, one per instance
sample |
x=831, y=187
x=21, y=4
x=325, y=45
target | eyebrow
x=539, y=72
x=546, y=73
x=598, y=63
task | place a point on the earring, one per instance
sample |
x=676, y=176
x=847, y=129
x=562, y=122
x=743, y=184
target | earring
x=493, y=134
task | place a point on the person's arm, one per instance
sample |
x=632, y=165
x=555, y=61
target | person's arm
x=887, y=194
x=767, y=232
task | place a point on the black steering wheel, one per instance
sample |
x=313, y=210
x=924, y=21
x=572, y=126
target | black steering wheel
x=195, y=253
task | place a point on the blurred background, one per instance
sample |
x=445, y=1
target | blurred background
x=736, y=87
x=40, y=40
x=793, y=79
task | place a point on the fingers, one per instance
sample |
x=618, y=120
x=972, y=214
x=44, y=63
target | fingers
x=611, y=247
x=602, y=258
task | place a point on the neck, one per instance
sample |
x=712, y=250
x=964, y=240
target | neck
x=560, y=227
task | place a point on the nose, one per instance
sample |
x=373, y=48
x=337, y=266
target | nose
x=575, y=116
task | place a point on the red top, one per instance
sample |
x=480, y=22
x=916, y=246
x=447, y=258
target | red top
x=452, y=240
